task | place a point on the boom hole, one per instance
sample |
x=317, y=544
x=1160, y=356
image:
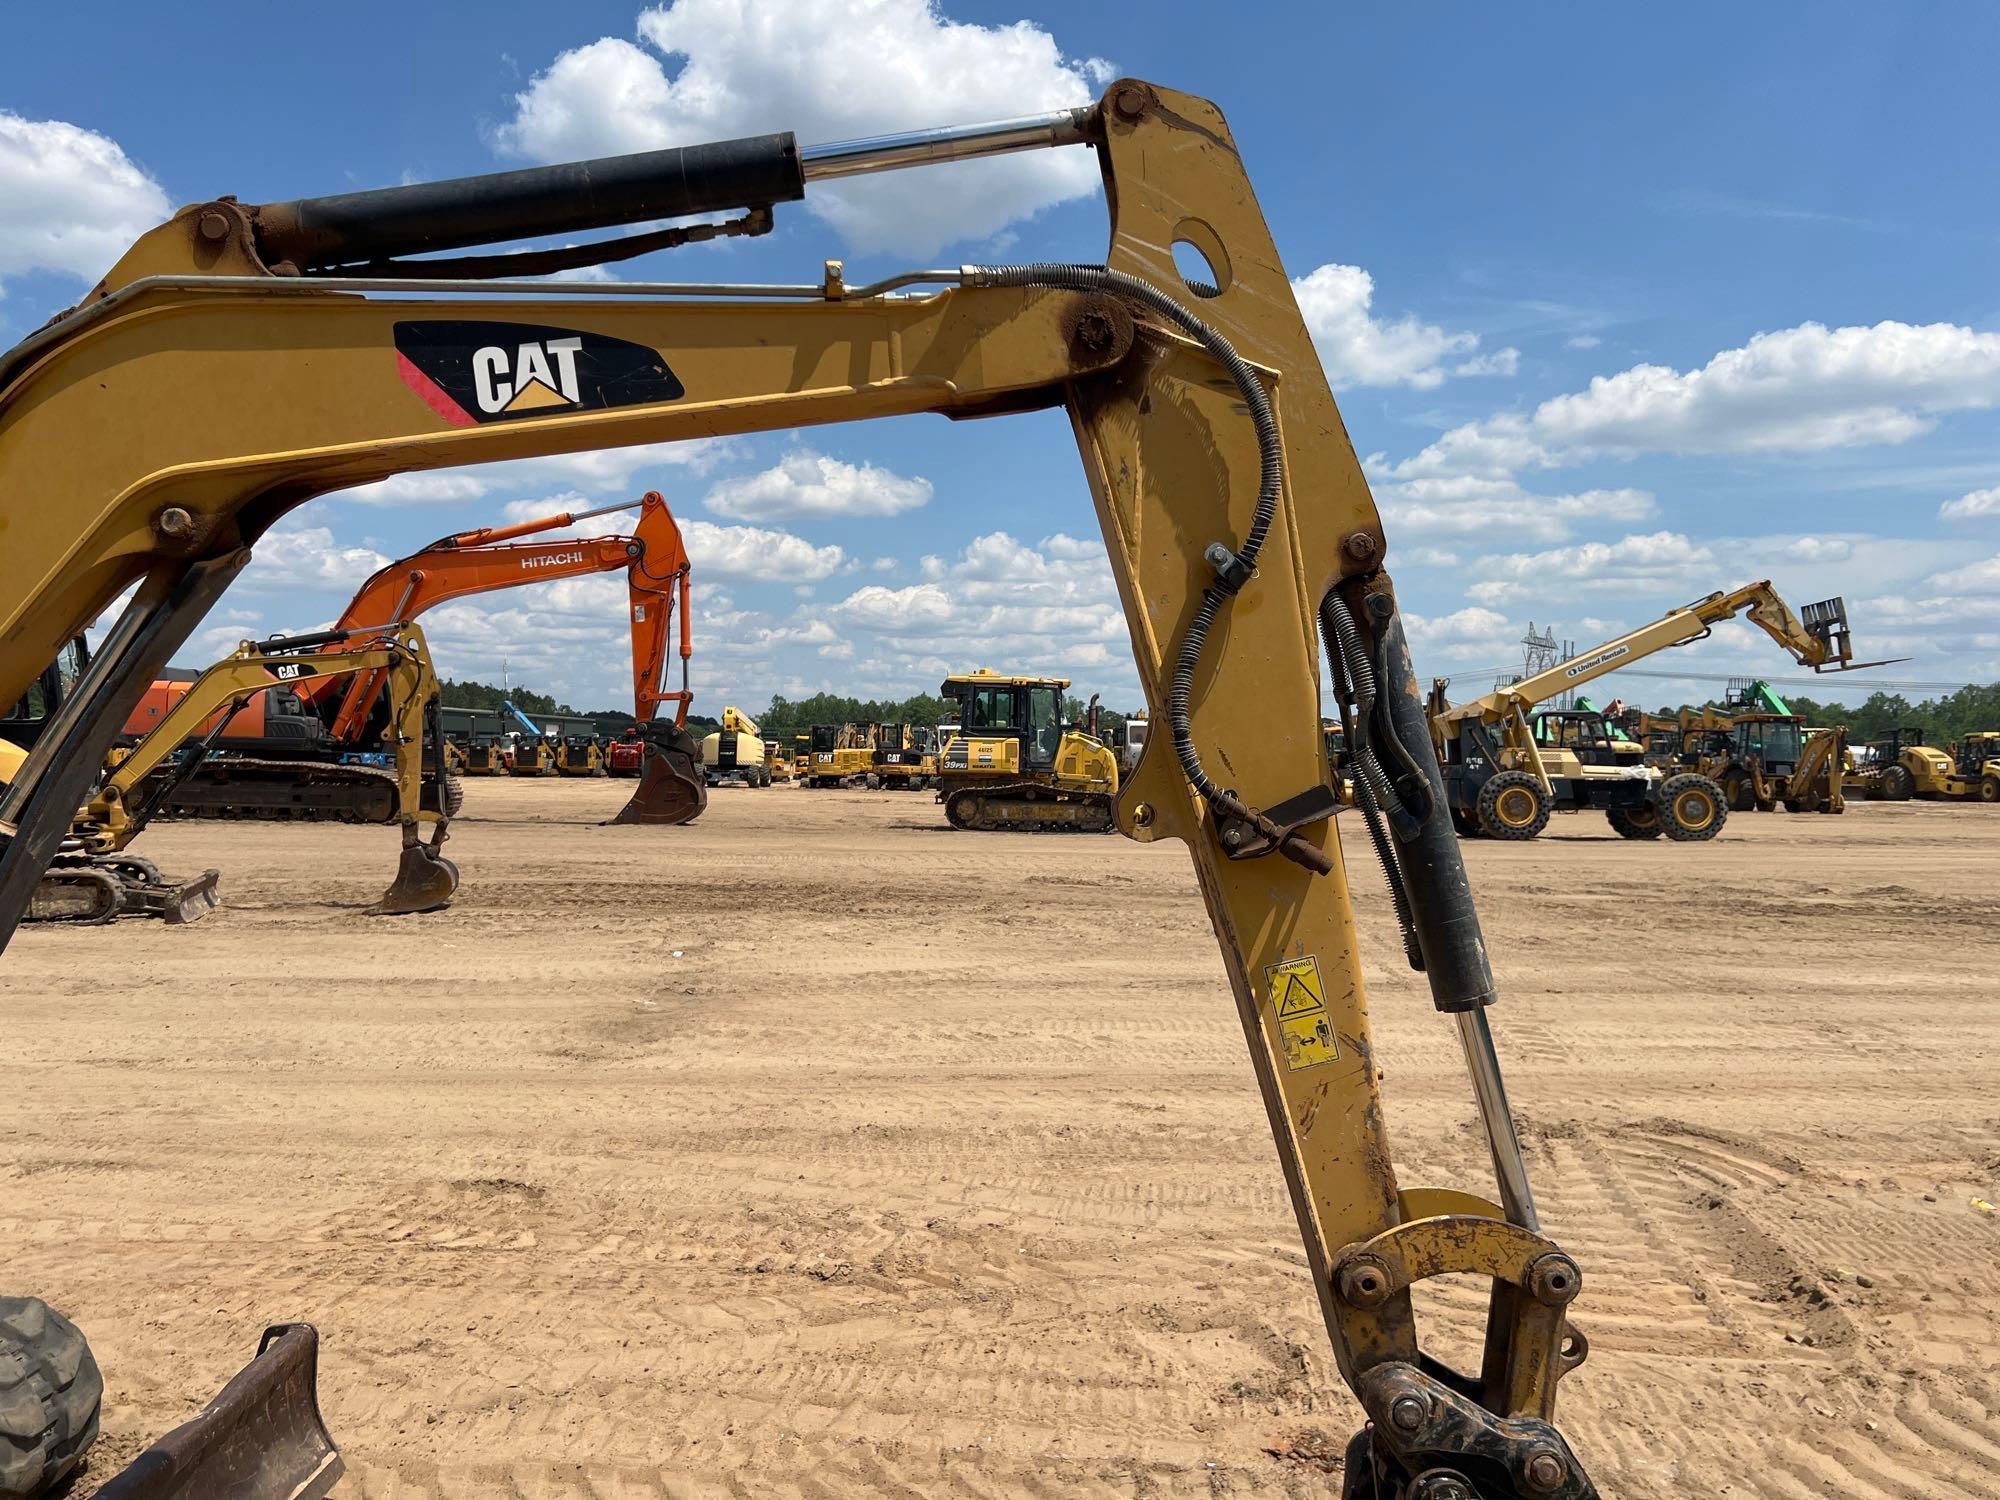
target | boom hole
x=1202, y=276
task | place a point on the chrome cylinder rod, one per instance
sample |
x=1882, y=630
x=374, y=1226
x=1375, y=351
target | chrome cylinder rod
x=885, y=153
x=1510, y=1167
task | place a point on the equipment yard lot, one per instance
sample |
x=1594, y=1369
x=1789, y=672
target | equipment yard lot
x=816, y=1149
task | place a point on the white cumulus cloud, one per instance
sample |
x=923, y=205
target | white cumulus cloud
x=1798, y=390
x=708, y=70
x=813, y=484
x=73, y=200
x=753, y=552
x=1977, y=505
x=1358, y=348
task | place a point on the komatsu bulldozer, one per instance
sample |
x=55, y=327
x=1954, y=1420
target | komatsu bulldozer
x=1014, y=765
x=1503, y=778
x=280, y=351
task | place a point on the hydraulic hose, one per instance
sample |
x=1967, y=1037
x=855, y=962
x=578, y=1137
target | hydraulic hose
x=1357, y=683
x=1233, y=567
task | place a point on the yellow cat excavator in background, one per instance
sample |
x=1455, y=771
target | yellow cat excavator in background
x=96, y=878
x=279, y=351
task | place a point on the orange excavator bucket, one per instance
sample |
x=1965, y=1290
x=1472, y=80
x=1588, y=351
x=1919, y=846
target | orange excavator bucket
x=671, y=787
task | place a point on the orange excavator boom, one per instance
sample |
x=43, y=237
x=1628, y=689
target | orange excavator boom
x=490, y=558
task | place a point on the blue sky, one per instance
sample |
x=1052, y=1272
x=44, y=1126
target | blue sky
x=1622, y=306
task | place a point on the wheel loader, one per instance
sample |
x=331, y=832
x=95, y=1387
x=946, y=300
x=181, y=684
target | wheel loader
x=1504, y=777
x=280, y=351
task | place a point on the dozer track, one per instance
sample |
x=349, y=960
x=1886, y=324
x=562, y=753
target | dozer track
x=1027, y=807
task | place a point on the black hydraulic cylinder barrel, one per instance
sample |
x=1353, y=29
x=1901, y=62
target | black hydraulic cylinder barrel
x=1433, y=869
x=319, y=233
x=277, y=644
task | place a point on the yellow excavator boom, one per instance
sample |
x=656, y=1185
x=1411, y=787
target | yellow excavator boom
x=242, y=359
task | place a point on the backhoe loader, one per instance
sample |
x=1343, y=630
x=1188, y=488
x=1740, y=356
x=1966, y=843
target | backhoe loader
x=1014, y=765
x=94, y=877
x=1766, y=760
x=280, y=351
x=1503, y=778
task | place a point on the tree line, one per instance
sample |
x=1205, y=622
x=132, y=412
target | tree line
x=1947, y=717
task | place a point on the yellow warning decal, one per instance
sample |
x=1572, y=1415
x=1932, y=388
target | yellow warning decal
x=1296, y=987
x=1298, y=996
x=1308, y=1041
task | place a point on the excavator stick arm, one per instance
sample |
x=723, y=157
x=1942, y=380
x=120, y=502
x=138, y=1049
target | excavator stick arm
x=1218, y=465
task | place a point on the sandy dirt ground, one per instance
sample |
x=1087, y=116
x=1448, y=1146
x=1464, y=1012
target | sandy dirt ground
x=818, y=1150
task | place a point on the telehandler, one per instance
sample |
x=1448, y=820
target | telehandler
x=1014, y=765
x=1503, y=779
x=279, y=351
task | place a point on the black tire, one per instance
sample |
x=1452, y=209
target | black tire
x=1691, y=807
x=454, y=795
x=1634, y=822
x=1513, y=806
x=1989, y=789
x=1738, y=793
x=1465, y=824
x=1896, y=784
x=50, y=1392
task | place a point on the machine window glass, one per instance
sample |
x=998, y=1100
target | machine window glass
x=1045, y=721
x=992, y=708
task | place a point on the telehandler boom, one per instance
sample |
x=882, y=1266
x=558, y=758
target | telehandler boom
x=268, y=371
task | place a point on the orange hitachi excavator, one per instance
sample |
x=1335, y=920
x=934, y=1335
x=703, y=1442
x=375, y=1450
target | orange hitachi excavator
x=671, y=787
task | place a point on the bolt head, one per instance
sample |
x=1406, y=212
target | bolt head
x=1364, y=1284
x=1129, y=102
x=1555, y=1280
x=1408, y=1413
x=1360, y=546
x=213, y=225
x=174, y=522
x=1545, y=1471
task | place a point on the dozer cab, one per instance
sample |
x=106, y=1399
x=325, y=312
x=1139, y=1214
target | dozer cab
x=1015, y=765
x=281, y=351
x=1504, y=777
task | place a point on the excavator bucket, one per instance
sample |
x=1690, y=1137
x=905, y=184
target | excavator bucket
x=425, y=880
x=671, y=787
x=261, y=1438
